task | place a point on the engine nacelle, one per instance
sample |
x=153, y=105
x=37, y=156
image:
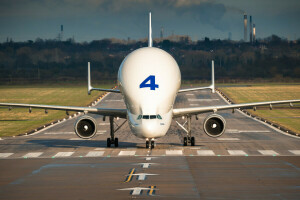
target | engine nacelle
x=214, y=125
x=85, y=127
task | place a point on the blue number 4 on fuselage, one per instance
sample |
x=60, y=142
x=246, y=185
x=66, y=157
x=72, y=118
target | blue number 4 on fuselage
x=151, y=85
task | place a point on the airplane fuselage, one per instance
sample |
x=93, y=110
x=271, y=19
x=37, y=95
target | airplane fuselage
x=149, y=79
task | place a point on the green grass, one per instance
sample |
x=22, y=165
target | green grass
x=288, y=118
x=19, y=120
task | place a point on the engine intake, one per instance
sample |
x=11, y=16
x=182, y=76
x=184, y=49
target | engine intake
x=85, y=127
x=214, y=125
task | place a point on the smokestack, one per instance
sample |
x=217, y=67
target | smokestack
x=250, y=28
x=162, y=33
x=253, y=32
x=245, y=27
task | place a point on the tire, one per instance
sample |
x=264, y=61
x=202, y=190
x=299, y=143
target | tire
x=152, y=144
x=192, y=141
x=116, y=142
x=185, y=141
x=147, y=144
x=108, y=142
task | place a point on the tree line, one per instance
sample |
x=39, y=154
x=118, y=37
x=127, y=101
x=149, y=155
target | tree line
x=50, y=61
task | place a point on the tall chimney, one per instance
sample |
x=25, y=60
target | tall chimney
x=245, y=27
x=250, y=28
x=253, y=32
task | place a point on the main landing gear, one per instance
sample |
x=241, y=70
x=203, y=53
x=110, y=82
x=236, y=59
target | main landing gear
x=112, y=139
x=189, y=138
x=151, y=143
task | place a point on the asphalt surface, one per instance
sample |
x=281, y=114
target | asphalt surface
x=249, y=161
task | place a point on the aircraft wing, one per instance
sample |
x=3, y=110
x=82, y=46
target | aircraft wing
x=198, y=110
x=122, y=113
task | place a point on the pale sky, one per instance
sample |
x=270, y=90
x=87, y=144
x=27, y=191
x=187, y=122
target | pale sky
x=89, y=20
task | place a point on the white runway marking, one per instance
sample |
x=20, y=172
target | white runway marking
x=59, y=133
x=127, y=153
x=148, y=158
x=227, y=139
x=194, y=104
x=254, y=131
x=296, y=152
x=104, y=124
x=205, y=153
x=173, y=152
x=189, y=94
x=95, y=154
x=268, y=152
x=203, y=99
x=114, y=100
x=237, y=153
x=97, y=149
x=63, y=154
x=33, y=155
x=76, y=139
x=5, y=155
x=101, y=132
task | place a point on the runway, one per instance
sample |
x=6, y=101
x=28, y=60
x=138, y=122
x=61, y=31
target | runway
x=249, y=161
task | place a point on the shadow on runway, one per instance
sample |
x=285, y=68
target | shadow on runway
x=62, y=143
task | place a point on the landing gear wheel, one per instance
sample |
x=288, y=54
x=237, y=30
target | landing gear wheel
x=185, y=141
x=152, y=144
x=108, y=142
x=192, y=141
x=116, y=142
x=147, y=144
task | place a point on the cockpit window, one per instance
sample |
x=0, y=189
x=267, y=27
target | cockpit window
x=149, y=117
x=152, y=116
x=145, y=116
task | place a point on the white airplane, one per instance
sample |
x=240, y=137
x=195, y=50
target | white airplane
x=149, y=80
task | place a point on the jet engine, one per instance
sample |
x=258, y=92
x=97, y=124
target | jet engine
x=214, y=125
x=85, y=127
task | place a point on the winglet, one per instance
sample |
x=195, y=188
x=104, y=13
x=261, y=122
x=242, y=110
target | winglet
x=150, y=32
x=212, y=86
x=90, y=88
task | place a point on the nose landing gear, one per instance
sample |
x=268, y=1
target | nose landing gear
x=150, y=143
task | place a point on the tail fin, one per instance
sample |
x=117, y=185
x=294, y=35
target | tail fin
x=90, y=88
x=212, y=86
x=150, y=32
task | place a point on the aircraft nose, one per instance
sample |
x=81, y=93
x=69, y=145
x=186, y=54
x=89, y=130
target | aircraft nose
x=150, y=129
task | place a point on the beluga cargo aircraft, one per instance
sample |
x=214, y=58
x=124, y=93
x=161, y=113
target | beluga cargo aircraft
x=149, y=80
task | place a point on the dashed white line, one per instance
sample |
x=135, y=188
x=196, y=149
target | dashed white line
x=5, y=155
x=95, y=154
x=203, y=99
x=254, y=131
x=194, y=104
x=33, y=155
x=237, y=153
x=227, y=139
x=63, y=154
x=268, y=152
x=205, y=153
x=127, y=153
x=173, y=152
x=296, y=152
x=104, y=124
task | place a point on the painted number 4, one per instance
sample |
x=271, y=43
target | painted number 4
x=149, y=82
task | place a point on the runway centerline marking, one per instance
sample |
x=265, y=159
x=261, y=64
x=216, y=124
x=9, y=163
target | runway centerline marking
x=63, y=154
x=173, y=152
x=94, y=154
x=203, y=99
x=127, y=153
x=5, y=155
x=33, y=155
x=104, y=124
x=296, y=152
x=268, y=152
x=205, y=153
x=237, y=153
